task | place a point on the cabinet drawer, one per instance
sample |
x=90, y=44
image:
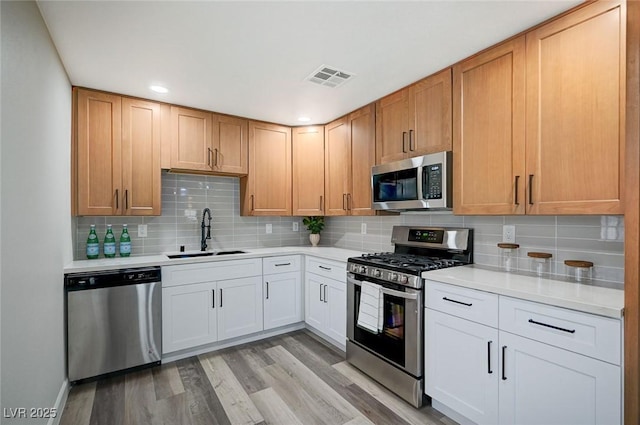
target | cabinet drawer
x=284, y=264
x=594, y=336
x=477, y=306
x=331, y=269
x=210, y=272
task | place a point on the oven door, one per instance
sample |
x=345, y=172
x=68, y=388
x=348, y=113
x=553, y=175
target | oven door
x=400, y=342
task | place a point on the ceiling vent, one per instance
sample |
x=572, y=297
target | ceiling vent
x=330, y=76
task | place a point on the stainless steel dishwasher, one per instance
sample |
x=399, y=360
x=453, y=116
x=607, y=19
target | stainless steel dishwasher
x=113, y=321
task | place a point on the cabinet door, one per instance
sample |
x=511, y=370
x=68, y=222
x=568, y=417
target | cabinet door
x=98, y=153
x=230, y=144
x=392, y=127
x=461, y=366
x=239, y=307
x=140, y=157
x=308, y=170
x=282, y=295
x=362, y=127
x=576, y=112
x=336, y=316
x=488, y=131
x=337, y=167
x=547, y=385
x=267, y=188
x=430, y=108
x=188, y=316
x=191, y=139
x=315, y=307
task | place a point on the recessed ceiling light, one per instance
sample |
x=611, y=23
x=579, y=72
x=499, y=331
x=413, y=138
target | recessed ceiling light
x=304, y=119
x=159, y=89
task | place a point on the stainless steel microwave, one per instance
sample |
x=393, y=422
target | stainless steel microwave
x=423, y=182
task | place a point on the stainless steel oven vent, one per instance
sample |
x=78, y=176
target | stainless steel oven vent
x=329, y=76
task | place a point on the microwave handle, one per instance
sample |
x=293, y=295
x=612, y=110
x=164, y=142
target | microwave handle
x=387, y=291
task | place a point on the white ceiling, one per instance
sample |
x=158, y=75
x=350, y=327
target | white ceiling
x=251, y=58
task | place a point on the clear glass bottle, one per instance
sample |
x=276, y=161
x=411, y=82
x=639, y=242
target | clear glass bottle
x=540, y=263
x=508, y=256
x=109, y=246
x=579, y=270
x=93, y=244
x=125, y=242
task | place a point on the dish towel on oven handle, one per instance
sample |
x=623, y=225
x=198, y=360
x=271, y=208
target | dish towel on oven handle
x=370, y=313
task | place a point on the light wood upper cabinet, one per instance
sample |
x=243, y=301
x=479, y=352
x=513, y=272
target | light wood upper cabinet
x=576, y=112
x=488, y=131
x=230, y=144
x=116, y=155
x=308, y=170
x=191, y=131
x=266, y=190
x=566, y=81
x=415, y=120
x=141, y=157
x=349, y=156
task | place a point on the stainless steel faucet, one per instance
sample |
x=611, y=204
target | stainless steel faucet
x=203, y=237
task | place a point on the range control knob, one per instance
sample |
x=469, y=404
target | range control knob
x=363, y=269
x=403, y=279
x=377, y=273
x=393, y=276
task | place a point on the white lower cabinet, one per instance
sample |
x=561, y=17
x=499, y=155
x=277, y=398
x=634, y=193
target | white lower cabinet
x=462, y=366
x=542, y=384
x=282, y=292
x=197, y=309
x=491, y=376
x=326, y=298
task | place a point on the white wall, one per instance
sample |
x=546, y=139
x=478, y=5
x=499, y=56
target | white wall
x=35, y=225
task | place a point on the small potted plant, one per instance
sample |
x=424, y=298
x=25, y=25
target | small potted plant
x=314, y=224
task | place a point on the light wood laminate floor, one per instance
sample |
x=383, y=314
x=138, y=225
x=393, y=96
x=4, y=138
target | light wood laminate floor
x=292, y=379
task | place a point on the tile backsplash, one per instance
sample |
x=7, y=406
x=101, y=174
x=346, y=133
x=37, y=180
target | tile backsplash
x=594, y=238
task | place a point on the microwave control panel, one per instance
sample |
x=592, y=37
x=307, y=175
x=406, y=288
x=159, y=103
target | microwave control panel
x=432, y=181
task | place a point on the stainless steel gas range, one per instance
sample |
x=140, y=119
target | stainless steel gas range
x=385, y=304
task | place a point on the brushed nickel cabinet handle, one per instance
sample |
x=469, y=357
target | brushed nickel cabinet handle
x=404, y=142
x=530, y=189
x=517, y=180
x=411, y=148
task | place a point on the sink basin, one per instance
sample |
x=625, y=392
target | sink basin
x=229, y=252
x=203, y=254
x=190, y=255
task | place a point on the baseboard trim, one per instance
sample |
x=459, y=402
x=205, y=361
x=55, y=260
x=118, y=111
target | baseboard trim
x=342, y=346
x=60, y=403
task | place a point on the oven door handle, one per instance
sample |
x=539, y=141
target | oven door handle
x=387, y=291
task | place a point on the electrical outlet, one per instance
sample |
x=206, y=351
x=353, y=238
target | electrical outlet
x=295, y=226
x=363, y=228
x=142, y=230
x=509, y=233
x=268, y=228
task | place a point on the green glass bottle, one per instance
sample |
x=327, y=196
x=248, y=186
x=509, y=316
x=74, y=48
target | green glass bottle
x=93, y=244
x=125, y=242
x=109, y=243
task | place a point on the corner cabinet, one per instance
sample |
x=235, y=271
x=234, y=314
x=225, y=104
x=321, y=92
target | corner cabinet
x=416, y=120
x=349, y=156
x=326, y=299
x=308, y=171
x=116, y=155
x=266, y=190
x=539, y=121
x=498, y=360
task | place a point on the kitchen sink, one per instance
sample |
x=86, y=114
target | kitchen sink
x=203, y=254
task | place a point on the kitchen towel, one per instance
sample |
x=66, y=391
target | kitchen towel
x=370, y=314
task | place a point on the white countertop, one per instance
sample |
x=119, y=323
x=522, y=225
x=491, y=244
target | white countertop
x=582, y=297
x=328, y=253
